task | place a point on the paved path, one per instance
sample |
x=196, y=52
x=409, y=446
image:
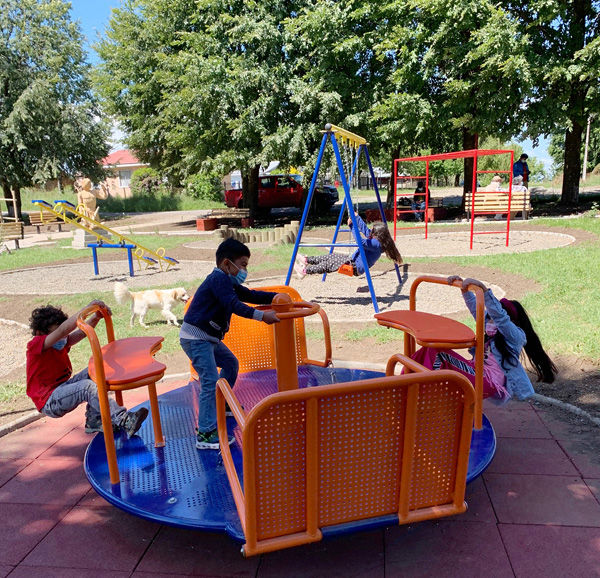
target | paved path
x=534, y=512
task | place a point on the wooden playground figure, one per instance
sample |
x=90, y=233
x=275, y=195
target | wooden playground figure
x=86, y=200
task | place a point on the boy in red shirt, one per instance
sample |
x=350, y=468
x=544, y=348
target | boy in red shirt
x=50, y=383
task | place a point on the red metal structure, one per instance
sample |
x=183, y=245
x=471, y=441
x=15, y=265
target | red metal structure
x=474, y=154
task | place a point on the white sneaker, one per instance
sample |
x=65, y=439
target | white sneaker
x=301, y=260
x=300, y=271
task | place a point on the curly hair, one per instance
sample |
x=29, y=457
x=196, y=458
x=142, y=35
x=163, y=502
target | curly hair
x=45, y=317
x=380, y=232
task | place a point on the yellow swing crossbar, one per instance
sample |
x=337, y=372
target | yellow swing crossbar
x=345, y=136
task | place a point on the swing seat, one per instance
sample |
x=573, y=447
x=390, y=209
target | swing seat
x=346, y=269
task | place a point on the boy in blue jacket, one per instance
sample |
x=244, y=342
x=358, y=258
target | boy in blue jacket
x=207, y=321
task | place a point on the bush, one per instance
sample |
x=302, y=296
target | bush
x=157, y=201
x=204, y=186
x=147, y=182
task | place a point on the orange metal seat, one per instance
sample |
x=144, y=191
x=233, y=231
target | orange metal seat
x=430, y=330
x=341, y=455
x=117, y=366
x=346, y=269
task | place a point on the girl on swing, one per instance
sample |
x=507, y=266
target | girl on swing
x=376, y=240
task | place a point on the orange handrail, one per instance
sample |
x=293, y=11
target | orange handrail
x=479, y=334
x=413, y=463
x=129, y=364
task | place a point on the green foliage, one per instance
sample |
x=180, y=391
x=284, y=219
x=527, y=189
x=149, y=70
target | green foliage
x=148, y=182
x=459, y=68
x=48, y=115
x=204, y=186
x=562, y=49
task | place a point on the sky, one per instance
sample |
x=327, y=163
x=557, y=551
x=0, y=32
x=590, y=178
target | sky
x=93, y=16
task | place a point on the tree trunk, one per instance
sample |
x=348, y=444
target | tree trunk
x=10, y=206
x=250, y=190
x=576, y=107
x=572, y=166
x=470, y=141
x=389, y=201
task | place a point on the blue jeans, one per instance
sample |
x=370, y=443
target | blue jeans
x=206, y=356
x=73, y=392
x=418, y=207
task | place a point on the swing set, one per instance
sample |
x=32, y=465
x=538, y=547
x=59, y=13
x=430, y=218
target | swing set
x=353, y=145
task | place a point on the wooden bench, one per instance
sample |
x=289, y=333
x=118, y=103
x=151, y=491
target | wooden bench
x=230, y=214
x=11, y=231
x=39, y=219
x=216, y=216
x=496, y=203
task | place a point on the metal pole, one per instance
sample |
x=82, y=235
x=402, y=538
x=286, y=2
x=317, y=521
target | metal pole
x=381, y=209
x=355, y=229
x=306, y=208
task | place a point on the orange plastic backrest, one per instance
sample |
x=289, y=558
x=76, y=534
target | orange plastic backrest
x=395, y=445
x=253, y=343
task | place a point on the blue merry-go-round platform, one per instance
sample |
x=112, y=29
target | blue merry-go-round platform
x=179, y=485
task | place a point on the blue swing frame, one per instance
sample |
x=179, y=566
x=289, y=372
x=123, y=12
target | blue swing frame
x=353, y=140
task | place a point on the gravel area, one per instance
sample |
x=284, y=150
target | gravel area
x=344, y=299
x=15, y=337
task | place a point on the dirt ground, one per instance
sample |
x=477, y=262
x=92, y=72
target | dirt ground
x=578, y=382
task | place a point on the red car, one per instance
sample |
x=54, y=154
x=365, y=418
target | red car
x=283, y=191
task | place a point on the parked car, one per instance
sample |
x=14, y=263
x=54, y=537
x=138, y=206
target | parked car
x=284, y=191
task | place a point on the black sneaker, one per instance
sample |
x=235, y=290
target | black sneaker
x=93, y=425
x=133, y=421
x=209, y=440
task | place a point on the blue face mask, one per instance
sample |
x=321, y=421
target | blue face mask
x=60, y=344
x=240, y=276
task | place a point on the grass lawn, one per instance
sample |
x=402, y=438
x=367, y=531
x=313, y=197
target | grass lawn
x=565, y=311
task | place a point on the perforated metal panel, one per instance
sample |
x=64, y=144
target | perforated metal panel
x=439, y=410
x=181, y=486
x=280, y=441
x=358, y=467
x=253, y=341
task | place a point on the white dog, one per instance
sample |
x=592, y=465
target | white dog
x=141, y=301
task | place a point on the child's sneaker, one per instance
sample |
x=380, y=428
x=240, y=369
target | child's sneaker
x=300, y=271
x=133, y=421
x=301, y=259
x=210, y=440
x=93, y=425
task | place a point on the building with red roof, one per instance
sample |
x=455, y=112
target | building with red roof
x=121, y=164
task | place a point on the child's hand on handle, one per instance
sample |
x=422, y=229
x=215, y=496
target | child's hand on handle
x=453, y=279
x=469, y=281
x=270, y=317
x=101, y=304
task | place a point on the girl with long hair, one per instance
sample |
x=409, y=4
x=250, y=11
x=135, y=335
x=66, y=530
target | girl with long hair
x=375, y=241
x=509, y=333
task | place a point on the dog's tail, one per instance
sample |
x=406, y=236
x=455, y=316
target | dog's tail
x=122, y=294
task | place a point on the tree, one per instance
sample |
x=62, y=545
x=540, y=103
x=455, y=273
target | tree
x=563, y=52
x=49, y=119
x=459, y=70
x=200, y=87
